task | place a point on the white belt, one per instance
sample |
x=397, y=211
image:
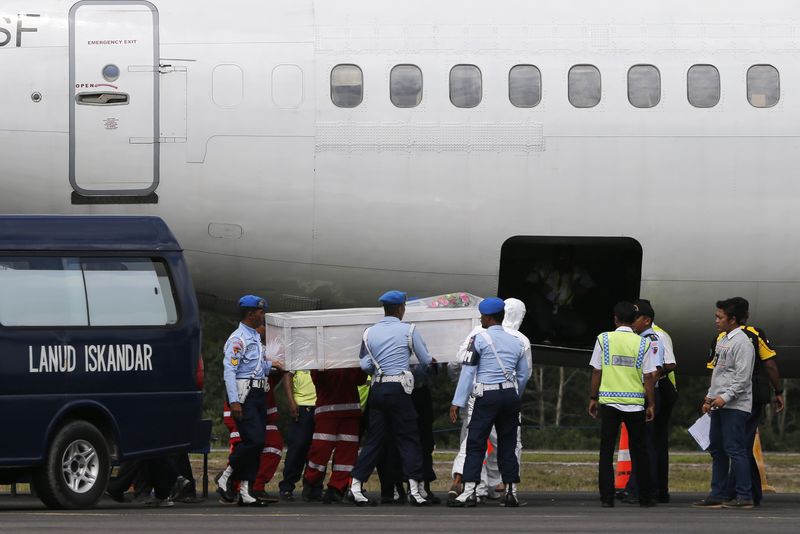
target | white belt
x=495, y=387
x=389, y=378
x=254, y=382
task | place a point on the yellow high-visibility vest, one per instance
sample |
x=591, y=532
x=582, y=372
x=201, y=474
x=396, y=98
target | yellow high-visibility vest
x=622, y=368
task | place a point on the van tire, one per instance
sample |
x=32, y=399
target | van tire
x=76, y=467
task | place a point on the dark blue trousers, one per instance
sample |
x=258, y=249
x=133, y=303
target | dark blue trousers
x=391, y=411
x=650, y=443
x=298, y=442
x=729, y=455
x=661, y=429
x=252, y=429
x=750, y=429
x=499, y=408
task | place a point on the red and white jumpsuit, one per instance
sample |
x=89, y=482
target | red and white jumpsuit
x=336, y=426
x=273, y=443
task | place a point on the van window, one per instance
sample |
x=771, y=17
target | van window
x=124, y=292
x=42, y=291
x=64, y=292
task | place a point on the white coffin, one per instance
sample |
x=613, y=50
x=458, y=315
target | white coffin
x=331, y=339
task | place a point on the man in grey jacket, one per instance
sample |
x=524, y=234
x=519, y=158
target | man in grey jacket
x=729, y=401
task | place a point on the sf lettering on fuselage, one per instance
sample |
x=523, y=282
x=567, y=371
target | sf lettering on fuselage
x=93, y=358
x=12, y=28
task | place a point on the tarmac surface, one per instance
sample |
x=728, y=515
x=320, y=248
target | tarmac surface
x=544, y=512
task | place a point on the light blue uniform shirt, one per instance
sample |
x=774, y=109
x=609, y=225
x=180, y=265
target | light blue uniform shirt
x=481, y=366
x=388, y=342
x=243, y=359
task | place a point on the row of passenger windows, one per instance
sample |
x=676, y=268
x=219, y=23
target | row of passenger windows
x=583, y=86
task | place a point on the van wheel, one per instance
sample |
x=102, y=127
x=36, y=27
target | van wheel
x=76, y=468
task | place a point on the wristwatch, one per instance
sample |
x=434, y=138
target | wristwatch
x=593, y=397
x=778, y=392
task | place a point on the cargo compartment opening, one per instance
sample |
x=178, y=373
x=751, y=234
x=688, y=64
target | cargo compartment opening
x=569, y=284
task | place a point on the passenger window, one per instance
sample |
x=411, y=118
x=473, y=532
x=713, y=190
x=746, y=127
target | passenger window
x=42, y=291
x=583, y=86
x=287, y=86
x=703, y=86
x=347, y=86
x=525, y=86
x=466, y=86
x=227, y=85
x=126, y=292
x=405, y=86
x=763, y=86
x=644, y=86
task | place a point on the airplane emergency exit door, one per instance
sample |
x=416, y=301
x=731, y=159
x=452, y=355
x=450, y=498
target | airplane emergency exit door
x=114, y=104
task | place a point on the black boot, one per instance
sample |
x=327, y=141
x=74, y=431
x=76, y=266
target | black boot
x=332, y=496
x=510, y=500
x=433, y=499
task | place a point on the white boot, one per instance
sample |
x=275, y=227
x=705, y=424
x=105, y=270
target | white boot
x=468, y=498
x=420, y=486
x=245, y=499
x=222, y=481
x=414, y=494
x=358, y=493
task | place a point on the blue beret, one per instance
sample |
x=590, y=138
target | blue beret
x=491, y=306
x=393, y=297
x=252, y=301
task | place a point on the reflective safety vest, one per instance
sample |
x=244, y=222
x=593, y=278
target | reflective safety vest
x=622, y=368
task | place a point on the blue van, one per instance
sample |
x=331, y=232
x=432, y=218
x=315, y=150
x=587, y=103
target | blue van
x=99, y=350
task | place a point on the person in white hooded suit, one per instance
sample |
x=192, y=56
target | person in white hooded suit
x=490, y=474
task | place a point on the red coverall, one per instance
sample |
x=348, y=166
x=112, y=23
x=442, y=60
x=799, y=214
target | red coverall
x=336, y=426
x=273, y=444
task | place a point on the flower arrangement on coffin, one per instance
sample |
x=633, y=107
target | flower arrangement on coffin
x=453, y=300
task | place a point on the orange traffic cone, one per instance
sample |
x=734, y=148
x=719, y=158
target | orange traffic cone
x=489, y=450
x=623, y=461
x=762, y=468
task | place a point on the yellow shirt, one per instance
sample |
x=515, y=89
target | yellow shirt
x=305, y=394
x=765, y=352
x=363, y=393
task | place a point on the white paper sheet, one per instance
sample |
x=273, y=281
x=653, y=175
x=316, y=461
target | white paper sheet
x=701, y=431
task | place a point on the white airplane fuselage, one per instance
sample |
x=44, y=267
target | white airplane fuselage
x=229, y=133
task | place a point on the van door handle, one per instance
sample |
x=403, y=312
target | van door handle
x=102, y=98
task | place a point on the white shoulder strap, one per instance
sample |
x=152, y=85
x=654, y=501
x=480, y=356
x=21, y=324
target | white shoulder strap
x=369, y=352
x=410, y=337
x=488, y=339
